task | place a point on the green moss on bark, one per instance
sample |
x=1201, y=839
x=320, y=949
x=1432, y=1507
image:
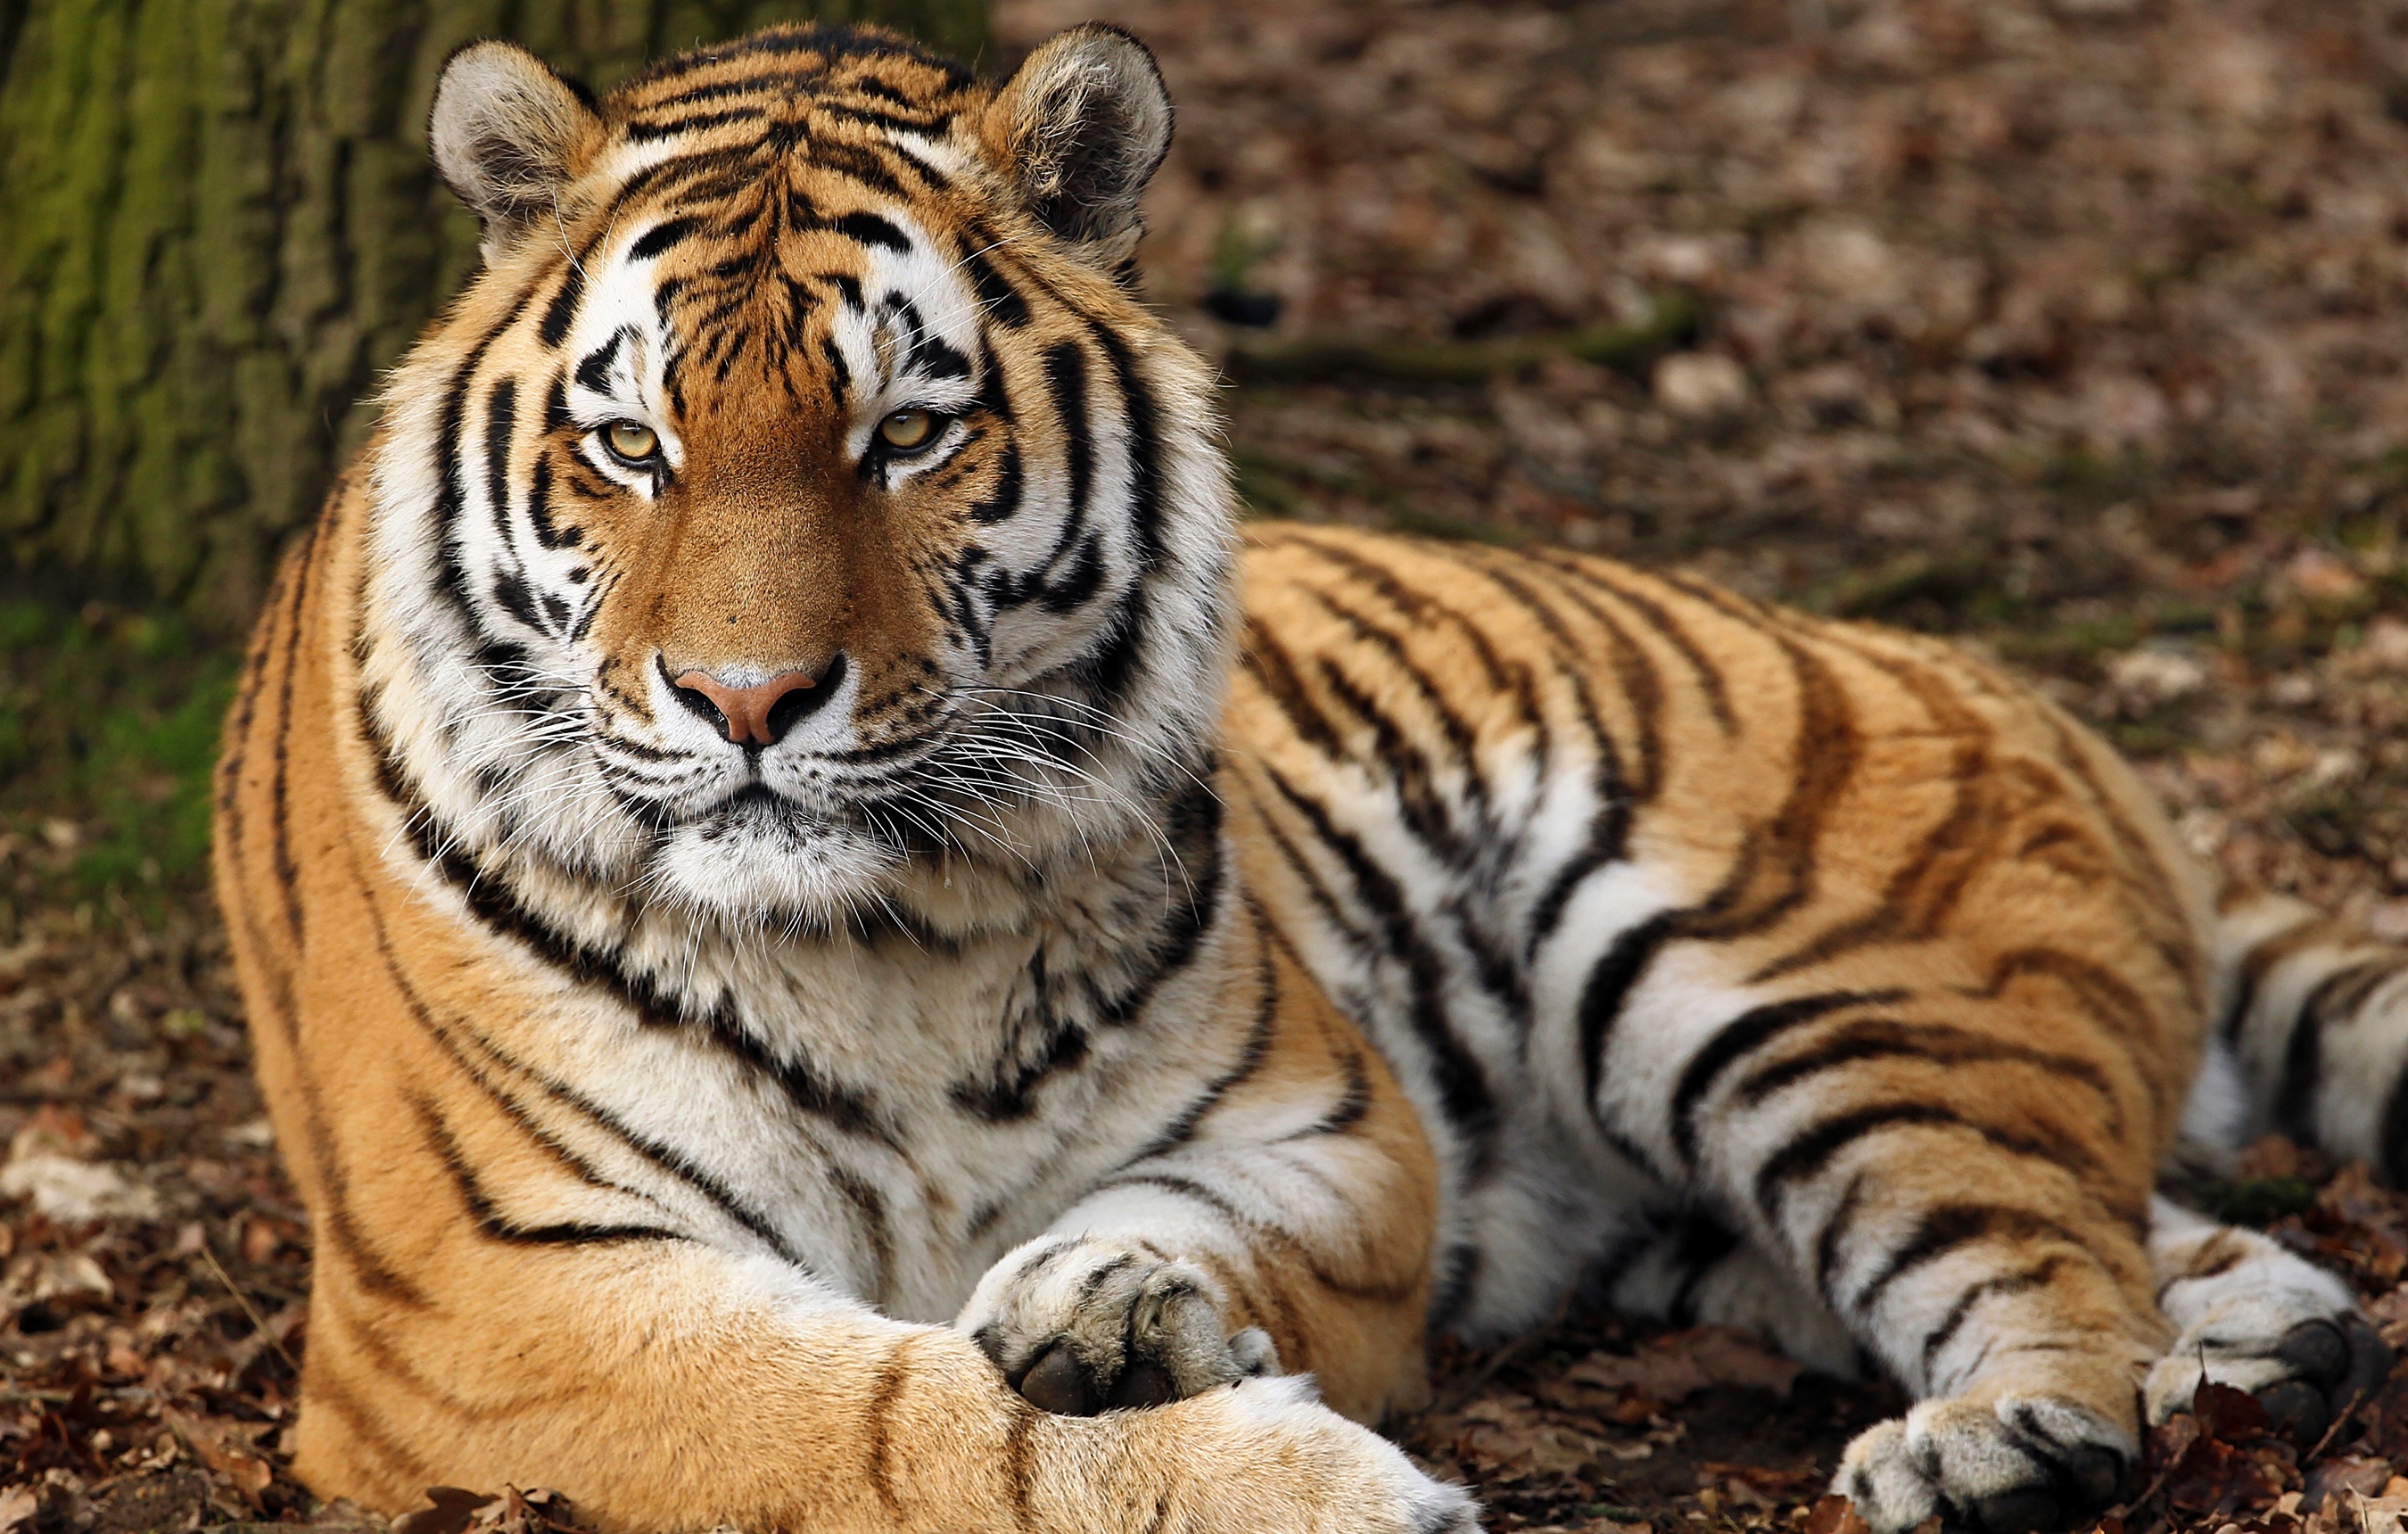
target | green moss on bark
x=221, y=227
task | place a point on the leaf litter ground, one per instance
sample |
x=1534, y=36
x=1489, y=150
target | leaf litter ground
x=2074, y=328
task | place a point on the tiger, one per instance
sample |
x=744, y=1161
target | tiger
x=834, y=943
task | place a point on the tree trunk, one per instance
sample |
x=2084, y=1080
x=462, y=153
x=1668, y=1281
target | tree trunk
x=217, y=225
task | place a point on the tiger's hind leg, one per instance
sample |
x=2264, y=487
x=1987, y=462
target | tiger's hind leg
x=2257, y=1318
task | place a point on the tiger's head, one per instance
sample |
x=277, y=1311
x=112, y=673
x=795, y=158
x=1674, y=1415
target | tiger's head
x=798, y=508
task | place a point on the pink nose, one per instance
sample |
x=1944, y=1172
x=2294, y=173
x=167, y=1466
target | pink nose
x=758, y=715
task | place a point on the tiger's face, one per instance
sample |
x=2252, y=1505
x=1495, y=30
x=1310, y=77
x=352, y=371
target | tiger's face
x=796, y=508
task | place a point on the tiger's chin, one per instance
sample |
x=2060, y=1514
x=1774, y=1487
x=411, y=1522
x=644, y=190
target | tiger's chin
x=752, y=864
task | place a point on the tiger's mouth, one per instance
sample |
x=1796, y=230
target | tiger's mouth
x=813, y=806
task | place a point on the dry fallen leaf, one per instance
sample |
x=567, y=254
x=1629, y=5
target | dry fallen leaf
x=1669, y=1369
x=223, y=1451
x=1835, y=1515
x=73, y=1192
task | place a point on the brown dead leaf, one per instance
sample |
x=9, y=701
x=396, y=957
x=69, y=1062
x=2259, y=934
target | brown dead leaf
x=2390, y=1313
x=223, y=1449
x=1511, y=1434
x=18, y=1505
x=2231, y=1415
x=454, y=1511
x=2348, y=1475
x=449, y=1510
x=1769, y=1479
x=1673, y=1368
x=2373, y=1514
x=1835, y=1515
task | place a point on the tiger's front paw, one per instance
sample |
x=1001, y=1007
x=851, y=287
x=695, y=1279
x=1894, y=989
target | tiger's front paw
x=2018, y=1465
x=1081, y=1324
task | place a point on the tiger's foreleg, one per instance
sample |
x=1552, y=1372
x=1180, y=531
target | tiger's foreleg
x=665, y=1383
x=1282, y=1223
x=1980, y=1233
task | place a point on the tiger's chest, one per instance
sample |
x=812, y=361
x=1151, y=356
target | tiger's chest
x=896, y=1118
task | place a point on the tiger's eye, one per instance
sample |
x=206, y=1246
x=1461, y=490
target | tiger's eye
x=631, y=440
x=906, y=429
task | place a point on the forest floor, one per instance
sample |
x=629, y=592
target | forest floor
x=2075, y=328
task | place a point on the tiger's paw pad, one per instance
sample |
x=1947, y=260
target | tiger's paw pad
x=1082, y=1327
x=2022, y=1465
x=2304, y=1371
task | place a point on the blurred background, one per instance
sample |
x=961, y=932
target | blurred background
x=2073, y=327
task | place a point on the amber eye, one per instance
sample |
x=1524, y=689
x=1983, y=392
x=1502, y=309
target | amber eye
x=632, y=442
x=907, y=431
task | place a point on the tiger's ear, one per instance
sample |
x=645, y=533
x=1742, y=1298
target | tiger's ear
x=507, y=134
x=1081, y=126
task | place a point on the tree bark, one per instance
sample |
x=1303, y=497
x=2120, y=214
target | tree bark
x=217, y=225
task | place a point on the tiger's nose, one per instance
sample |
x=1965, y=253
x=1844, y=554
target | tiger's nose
x=761, y=714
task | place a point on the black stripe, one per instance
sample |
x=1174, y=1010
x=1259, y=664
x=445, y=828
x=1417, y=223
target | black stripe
x=1003, y=503
x=1003, y=1100
x=1319, y=893
x=2028, y=1279
x=1416, y=606
x=1191, y=824
x=640, y=132
x=491, y=1221
x=1709, y=676
x=515, y=1111
x=1806, y=1155
x=932, y=127
x=1949, y=1226
x=2395, y=1128
x=1141, y=424
x=1352, y=1106
x=1457, y=732
x=998, y=300
x=288, y=873
x=538, y=509
x=1941, y=1043
x=1635, y=677
x=593, y=371
x=870, y=1205
x=1835, y=1230
x=1182, y=1128
x=562, y=312
x=1771, y=876
x=870, y=229
x=1702, y=1245
x=665, y=235
x=2335, y=999
x=1609, y=986
x=1268, y=660
x=1065, y=380
x=1743, y=1035
x=501, y=660
x=1463, y=1094
x=501, y=417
